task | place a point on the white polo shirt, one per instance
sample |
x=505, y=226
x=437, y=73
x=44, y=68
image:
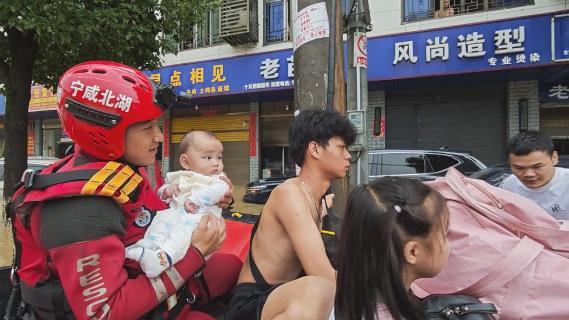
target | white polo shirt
x=553, y=197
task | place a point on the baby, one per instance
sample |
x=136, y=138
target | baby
x=191, y=193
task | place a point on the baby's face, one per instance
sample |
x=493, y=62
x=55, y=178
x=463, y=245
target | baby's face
x=205, y=156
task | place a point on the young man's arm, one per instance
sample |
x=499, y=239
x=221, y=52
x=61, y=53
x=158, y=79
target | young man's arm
x=298, y=218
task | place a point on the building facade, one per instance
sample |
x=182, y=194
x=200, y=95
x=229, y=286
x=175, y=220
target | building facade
x=461, y=74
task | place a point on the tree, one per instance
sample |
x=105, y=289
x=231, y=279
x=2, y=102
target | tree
x=39, y=40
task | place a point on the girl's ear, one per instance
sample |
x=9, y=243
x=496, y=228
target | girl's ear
x=185, y=161
x=411, y=251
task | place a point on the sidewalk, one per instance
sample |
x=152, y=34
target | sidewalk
x=6, y=242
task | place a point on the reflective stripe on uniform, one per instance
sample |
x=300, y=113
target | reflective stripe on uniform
x=134, y=181
x=159, y=289
x=125, y=177
x=175, y=277
x=98, y=178
x=118, y=180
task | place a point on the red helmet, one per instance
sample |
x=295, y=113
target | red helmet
x=98, y=100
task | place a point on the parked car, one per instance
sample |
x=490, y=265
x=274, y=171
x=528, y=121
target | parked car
x=421, y=164
x=34, y=163
x=259, y=191
x=495, y=174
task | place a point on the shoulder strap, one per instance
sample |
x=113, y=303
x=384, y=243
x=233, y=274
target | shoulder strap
x=34, y=181
x=259, y=279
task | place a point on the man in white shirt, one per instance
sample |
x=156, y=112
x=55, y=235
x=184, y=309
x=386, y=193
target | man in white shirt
x=533, y=161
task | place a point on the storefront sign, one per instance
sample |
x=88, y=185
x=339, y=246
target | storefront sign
x=519, y=43
x=560, y=26
x=554, y=91
x=310, y=23
x=261, y=72
x=42, y=99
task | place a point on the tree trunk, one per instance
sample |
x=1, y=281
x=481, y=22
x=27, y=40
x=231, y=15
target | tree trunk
x=340, y=188
x=339, y=77
x=23, y=49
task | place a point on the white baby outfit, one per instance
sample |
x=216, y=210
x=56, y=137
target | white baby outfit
x=169, y=235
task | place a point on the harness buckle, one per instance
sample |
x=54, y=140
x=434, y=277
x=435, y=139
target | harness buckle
x=14, y=276
x=28, y=178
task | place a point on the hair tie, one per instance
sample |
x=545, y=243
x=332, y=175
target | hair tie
x=397, y=208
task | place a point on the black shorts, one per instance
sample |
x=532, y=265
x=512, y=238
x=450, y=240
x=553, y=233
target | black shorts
x=248, y=301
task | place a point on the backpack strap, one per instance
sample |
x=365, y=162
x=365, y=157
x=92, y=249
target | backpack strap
x=506, y=269
x=33, y=181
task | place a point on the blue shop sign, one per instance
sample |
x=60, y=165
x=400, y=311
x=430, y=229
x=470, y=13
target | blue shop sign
x=500, y=45
x=561, y=37
x=554, y=91
x=480, y=47
x=260, y=72
x=2, y=105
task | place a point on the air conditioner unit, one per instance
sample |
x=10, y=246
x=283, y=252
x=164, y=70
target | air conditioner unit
x=238, y=21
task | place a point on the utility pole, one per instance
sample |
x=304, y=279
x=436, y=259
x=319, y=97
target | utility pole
x=312, y=80
x=358, y=23
x=319, y=69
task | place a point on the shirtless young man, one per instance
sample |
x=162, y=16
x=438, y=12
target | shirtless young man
x=288, y=275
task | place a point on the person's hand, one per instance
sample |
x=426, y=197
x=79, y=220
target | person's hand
x=209, y=234
x=227, y=198
x=170, y=192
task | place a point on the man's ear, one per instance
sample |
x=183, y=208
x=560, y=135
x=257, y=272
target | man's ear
x=185, y=161
x=555, y=158
x=313, y=149
x=411, y=251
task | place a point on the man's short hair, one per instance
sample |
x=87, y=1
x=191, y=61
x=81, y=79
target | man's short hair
x=319, y=126
x=527, y=142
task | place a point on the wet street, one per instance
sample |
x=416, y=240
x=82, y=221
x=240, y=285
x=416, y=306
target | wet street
x=6, y=247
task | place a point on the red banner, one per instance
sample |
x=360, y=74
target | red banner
x=252, y=135
x=166, y=142
x=30, y=140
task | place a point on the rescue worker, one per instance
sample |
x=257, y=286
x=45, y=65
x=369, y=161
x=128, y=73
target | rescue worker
x=75, y=219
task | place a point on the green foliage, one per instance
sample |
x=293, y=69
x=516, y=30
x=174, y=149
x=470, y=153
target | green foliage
x=72, y=31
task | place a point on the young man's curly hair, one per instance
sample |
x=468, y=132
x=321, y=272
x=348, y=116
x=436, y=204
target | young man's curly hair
x=319, y=126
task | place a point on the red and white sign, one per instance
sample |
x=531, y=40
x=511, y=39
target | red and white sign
x=252, y=135
x=360, y=50
x=310, y=23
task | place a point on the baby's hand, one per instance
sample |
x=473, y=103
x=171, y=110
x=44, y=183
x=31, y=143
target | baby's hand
x=170, y=192
x=190, y=207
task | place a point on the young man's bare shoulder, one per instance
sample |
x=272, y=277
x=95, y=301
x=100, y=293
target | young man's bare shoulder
x=288, y=198
x=289, y=188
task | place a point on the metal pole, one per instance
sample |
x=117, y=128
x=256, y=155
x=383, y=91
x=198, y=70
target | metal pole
x=357, y=90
